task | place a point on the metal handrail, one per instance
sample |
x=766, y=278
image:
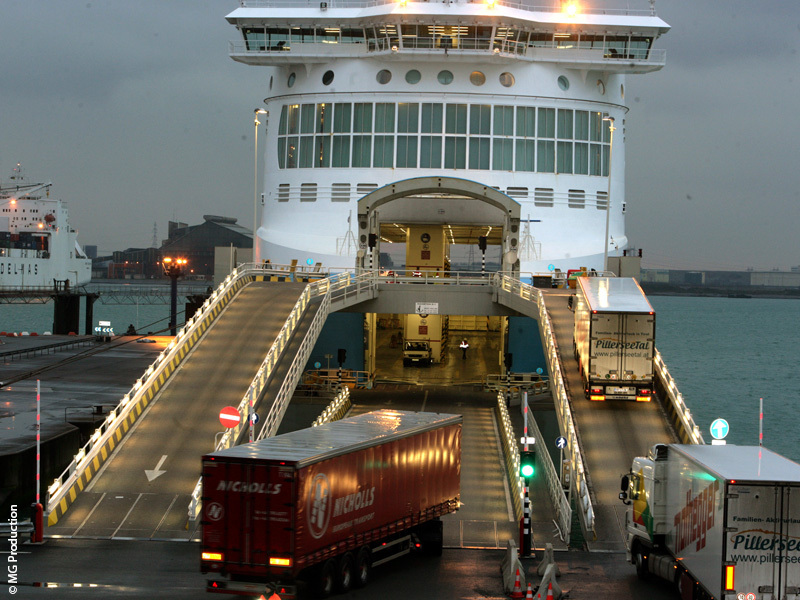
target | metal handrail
x=512, y=453
x=369, y=3
x=336, y=409
x=63, y=483
x=559, y=391
x=557, y=496
x=676, y=399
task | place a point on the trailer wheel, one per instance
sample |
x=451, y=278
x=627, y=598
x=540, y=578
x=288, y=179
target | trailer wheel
x=324, y=578
x=363, y=567
x=345, y=572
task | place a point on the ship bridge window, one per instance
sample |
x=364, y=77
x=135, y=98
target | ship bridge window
x=351, y=36
x=639, y=47
x=255, y=38
x=566, y=40
x=277, y=38
x=589, y=41
x=302, y=35
x=327, y=35
x=541, y=40
x=616, y=46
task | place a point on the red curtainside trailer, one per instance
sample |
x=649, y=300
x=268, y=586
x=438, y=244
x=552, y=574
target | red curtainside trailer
x=324, y=505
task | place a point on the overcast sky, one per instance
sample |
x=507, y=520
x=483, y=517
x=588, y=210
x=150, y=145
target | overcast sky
x=138, y=116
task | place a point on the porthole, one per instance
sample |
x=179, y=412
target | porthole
x=506, y=79
x=445, y=77
x=327, y=78
x=292, y=77
x=601, y=87
x=270, y=82
x=622, y=91
x=477, y=78
x=563, y=83
x=384, y=76
x=413, y=76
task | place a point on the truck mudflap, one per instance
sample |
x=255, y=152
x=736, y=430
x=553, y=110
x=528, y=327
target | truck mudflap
x=245, y=588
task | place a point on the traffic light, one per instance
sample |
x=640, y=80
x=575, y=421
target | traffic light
x=341, y=356
x=508, y=360
x=373, y=240
x=482, y=242
x=527, y=464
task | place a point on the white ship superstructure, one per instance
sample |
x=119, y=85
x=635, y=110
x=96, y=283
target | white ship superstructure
x=37, y=245
x=528, y=100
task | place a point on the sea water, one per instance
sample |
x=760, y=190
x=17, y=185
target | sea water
x=724, y=354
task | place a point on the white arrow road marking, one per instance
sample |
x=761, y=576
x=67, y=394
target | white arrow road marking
x=151, y=475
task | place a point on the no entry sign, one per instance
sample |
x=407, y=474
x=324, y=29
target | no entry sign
x=229, y=417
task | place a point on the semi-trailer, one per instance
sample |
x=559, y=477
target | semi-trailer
x=614, y=338
x=720, y=521
x=324, y=505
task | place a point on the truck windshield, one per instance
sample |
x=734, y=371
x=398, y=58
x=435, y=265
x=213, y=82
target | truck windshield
x=416, y=345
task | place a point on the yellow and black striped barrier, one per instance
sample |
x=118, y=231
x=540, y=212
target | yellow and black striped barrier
x=87, y=463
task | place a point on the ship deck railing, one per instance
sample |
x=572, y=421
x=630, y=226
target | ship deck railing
x=546, y=52
x=553, y=8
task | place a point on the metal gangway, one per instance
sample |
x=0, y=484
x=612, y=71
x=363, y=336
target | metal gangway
x=347, y=289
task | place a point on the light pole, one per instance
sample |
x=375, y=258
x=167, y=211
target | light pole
x=257, y=111
x=173, y=268
x=611, y=128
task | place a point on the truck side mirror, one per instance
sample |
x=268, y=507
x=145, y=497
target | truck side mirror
x=624, y=483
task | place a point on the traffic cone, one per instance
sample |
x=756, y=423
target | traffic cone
x=517, y=592
x=549, y=591
x=529, y=594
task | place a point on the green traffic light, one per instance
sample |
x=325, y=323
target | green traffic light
x=527, y=464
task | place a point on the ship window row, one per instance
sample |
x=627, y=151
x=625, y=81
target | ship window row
x=451, y=136
x=541, y=197
x=463, y=37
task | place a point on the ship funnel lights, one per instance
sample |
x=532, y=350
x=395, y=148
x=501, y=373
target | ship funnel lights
x=491, y=3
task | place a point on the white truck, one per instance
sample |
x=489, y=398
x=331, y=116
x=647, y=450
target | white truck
x=614, y=338
x=721, y=522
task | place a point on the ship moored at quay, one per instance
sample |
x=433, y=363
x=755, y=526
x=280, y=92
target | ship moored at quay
x=520, y=98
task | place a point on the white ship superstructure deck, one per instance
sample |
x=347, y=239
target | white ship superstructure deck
x=515, y=97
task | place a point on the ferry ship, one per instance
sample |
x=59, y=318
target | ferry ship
x=38, y=248
x=523, y=100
